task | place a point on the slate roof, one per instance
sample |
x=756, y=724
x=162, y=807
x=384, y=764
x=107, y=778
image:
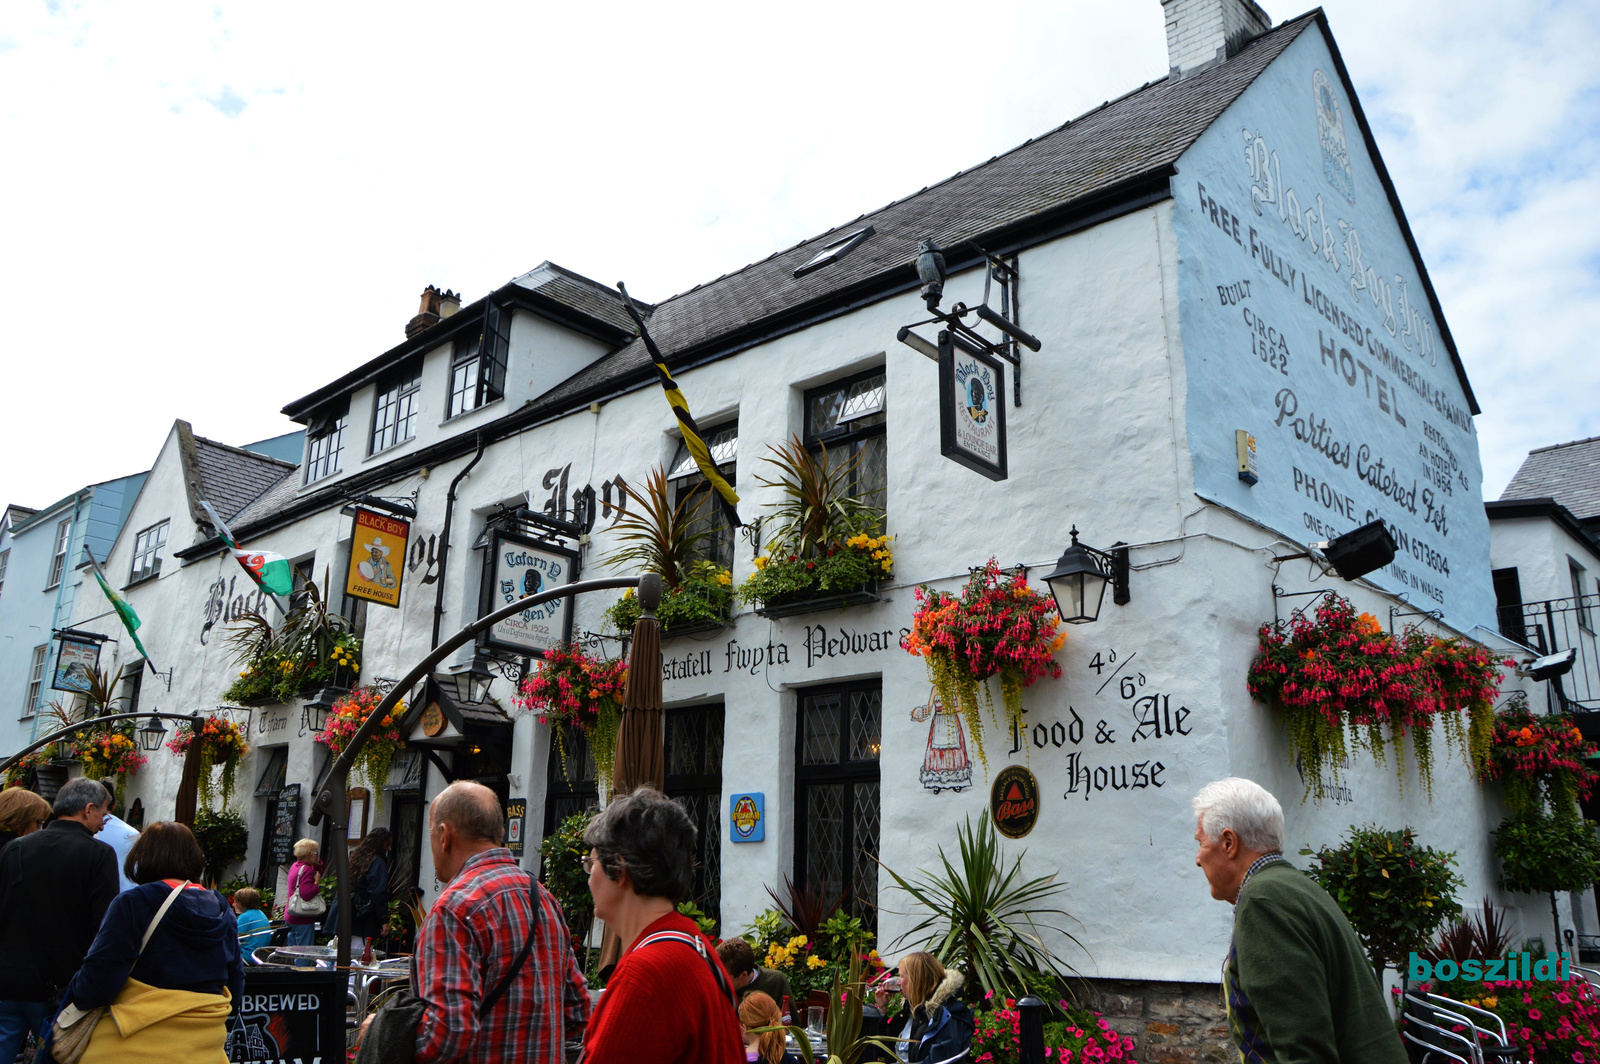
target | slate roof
x=1569, y=473
x=274, y=498
x=231, y=477
x=579, y=293
x=1135, y=136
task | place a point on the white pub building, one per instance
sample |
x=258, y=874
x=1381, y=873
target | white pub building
x=1240, y=354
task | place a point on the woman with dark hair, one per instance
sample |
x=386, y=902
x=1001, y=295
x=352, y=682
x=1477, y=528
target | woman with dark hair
x=937, y=1026
x=669, y=1001
x=369, y=892
x=169, y=997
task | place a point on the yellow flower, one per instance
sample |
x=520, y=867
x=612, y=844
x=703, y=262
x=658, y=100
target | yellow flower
x=814, y=962
x=761, y=562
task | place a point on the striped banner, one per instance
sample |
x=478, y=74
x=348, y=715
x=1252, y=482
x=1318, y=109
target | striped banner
x=680, y=406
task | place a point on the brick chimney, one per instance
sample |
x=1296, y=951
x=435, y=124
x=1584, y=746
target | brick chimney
x=1203, y=32
x=428, y=313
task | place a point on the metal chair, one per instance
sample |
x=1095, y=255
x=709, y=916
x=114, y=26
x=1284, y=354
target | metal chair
x=1447, y=1029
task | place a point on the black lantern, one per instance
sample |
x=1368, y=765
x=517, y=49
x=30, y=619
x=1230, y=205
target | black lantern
x=314, y=716
x=477, y=677
x=152, y=735
x=1079, y=580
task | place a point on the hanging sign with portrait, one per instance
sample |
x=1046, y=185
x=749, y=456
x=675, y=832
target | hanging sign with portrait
x=377, y=558
x=972, y=410
x=76, y=661
x=517, y=567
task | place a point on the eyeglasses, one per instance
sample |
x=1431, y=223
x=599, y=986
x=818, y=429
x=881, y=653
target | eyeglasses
x=588, y=861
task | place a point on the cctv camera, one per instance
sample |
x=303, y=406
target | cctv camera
x=1552, y=665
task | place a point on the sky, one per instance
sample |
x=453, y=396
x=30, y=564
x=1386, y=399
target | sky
x=214, y=208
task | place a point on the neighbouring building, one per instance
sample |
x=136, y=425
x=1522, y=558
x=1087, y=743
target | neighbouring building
x=1218, y=270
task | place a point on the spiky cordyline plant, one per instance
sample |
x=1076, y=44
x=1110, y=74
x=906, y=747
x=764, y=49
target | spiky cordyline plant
x=983, y=920
x=659, y=537
x=818, y=508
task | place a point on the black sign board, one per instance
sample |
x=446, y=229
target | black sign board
x=1014, y=801
x=972, y=409
x=283, y=829
x=288, y=1014
x=516, y=825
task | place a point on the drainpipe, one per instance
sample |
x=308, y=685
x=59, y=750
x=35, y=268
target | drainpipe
x=444, y=539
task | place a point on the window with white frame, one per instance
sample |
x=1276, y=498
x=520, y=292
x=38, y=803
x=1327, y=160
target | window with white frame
x=30, y=704
x=692, y=491
x=394, y=414
x=58, y=564
x=325, y=444
x=147, y=553
x=478, y=365
x=847, y=419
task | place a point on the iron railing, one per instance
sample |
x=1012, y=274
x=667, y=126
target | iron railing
x=1561, y=624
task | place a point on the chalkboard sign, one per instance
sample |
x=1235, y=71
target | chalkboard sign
x=283, y=829
x=288, y=1014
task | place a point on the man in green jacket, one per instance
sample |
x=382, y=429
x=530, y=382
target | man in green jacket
x=1297, y=984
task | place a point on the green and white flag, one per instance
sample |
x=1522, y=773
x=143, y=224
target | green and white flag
x=270, y=571
x=130, y=619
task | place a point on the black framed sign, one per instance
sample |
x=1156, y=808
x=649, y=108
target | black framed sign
x=518, y=566
x=76, y=662
x=972, y=409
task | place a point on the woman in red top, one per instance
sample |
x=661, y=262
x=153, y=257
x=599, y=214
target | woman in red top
x=669, y=1000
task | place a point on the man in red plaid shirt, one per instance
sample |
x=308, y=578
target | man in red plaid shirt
x=470, y=941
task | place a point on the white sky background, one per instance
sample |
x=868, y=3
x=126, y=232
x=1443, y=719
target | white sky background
x=212, y=209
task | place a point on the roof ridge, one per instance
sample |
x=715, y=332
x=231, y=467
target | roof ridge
x=247, y=453
x=1104, y=105
x=1558, y=446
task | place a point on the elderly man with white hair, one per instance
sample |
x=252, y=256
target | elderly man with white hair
x=1296, y=984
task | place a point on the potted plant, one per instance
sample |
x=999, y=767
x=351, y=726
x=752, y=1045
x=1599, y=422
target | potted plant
x=1081, y=1035
x=997, y=626
x=701, y=602
x=219, y=744
x=827, y=541
x=669, y=540
x=111, y=754
x=1395, y=893
x=223, y=839
x=346, y=716
x=572, y=689
x=1338, y=683
x=311, y=649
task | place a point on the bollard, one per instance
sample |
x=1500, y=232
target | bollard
x=1032, y=1032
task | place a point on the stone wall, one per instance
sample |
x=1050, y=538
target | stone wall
x=1170, y=1023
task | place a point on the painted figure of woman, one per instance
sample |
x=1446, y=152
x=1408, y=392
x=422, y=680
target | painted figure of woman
x=945, y=767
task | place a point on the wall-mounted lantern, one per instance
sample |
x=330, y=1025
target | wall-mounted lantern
x=1079, y=580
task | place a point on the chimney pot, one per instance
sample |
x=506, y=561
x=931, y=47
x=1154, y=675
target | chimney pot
x=1201, y=33
x=427, y=313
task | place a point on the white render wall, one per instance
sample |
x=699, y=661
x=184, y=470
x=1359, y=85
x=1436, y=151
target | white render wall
x=1539, y=548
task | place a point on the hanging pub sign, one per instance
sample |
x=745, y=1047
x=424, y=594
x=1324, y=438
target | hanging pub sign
x=972, y=409
x=517, y=567
x=372, y=575
x=76, y=662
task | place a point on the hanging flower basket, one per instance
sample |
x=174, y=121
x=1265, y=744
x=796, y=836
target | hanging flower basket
x=21, y=773
x=347, y=715
x=111, y=755
x=1539, y=758
x=997, y=626
x=571, y=689
x=219, y=744
x=1340, y=683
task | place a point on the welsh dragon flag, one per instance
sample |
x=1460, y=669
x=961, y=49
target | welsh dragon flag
x=270, y=571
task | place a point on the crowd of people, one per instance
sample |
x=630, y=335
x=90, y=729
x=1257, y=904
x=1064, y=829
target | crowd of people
x=109, y=943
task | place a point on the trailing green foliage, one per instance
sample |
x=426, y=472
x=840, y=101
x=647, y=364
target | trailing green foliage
x=222, y=836
x=1395, y=893
x=561, y=871
x=706, y=594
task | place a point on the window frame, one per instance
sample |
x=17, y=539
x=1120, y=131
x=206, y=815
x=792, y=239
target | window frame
x=35, y=685
x=700, y=792
x=137, y=573
x=719, y=548
x=851, y=435
x=396, y=402
x=847, y=772
x=1577, y=572
x=328, y=459
x=58, y=561
x=5, y=563
x=485, y=357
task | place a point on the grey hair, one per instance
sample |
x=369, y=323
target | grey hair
x=473, y=810
x=650, y=836
x=1246, y=808
x=77, y=793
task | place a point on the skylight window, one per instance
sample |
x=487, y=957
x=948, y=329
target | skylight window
x=834, y=251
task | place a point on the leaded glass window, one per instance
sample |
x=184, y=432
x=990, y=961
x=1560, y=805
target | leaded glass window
x=848, y=420
x=691, y=490
x=837, y=792
x=693, y=737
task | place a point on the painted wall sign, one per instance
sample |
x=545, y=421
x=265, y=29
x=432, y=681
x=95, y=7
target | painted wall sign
x=1306, y=321
x=518, y=566
x=1014, y=801
x=224, y=606
x=821, y=644
x=972, y=411
x=516, y=825
x=76, y=661
x=288, y=1015
x=747, y=817
x=945, y=764
x=377, y=557
x=283, y=828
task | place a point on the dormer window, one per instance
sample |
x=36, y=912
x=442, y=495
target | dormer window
x=325, y=443
x=394, y=413
x=478, y=365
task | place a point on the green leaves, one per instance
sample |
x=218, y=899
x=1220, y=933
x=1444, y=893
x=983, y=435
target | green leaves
x=986, y=921
x=1540, y=853
x=659, y=537
x=819, y=508
x=1395, y=893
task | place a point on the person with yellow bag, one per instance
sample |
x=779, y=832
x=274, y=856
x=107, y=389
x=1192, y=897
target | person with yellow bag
x=165, y=965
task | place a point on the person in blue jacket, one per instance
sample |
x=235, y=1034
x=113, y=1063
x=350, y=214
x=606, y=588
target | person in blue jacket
x=936, y=1026
x=254, y=929
x=369, y=892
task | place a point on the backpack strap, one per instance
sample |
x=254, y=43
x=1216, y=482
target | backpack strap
x=700, y=948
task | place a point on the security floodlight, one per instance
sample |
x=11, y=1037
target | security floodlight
x=1552, y=665
x=917, y=343
x=1361, y=551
